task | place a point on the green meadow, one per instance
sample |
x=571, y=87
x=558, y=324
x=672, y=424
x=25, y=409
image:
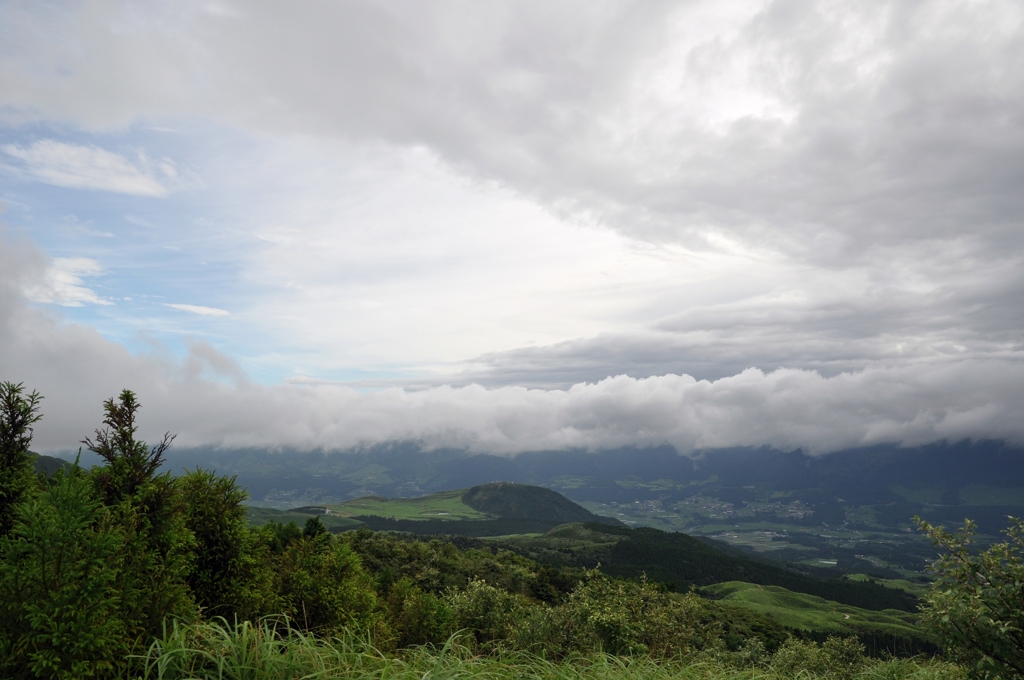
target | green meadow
x=446, y=505
x=810, y=613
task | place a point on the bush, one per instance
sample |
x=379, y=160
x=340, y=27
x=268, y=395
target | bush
x=231, y=575
x=150, y=509
x=490, y=615
x=59, y=601
x=837, y=657
x=976, y=606
x=323, y=587
x=418, y=618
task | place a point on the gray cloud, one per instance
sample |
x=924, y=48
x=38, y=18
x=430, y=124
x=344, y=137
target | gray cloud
x=821, y=129
x=207, y=399
x=878, y=146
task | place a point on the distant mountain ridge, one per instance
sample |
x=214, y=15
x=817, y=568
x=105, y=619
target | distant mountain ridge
x=943, y=482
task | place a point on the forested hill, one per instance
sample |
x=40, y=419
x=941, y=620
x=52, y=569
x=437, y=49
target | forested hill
x=523, y=501
x=48, y=464
x=683, y=561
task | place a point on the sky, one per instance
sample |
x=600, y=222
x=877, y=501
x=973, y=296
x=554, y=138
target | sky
x=516, y=226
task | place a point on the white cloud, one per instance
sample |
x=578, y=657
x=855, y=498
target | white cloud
x=830, y=187
x=916, y=402
x=62, y=283
x=822, y=130
x=199, y=309
x=87, y=167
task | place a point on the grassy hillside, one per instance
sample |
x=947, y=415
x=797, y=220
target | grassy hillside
x=684, y=561
x=444, y=506
x=496, y=509
x=808, y=612
x=890, y=628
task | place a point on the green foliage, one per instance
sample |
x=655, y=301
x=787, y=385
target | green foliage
x=131, y=465
x=976, y=606
x=621, y=617
x=436, y=566
x=323, y=587
x=838, y=657
x=18, y=412
x=273, y=651
x=59, y=600
x=279, y=536
x=314, y=527
x=150, y=509
x=491, y=615
x=416, y=617
x=231, y=575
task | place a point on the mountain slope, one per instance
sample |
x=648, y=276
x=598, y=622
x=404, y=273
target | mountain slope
x=684, y=561
x=495, y=509
x=522, y=501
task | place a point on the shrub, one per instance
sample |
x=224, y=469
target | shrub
x=418, y=618
x=323, y=587
x=837, y=657
x=490, y=615
x=976, y=606
x=59, y=601
x=231, y=575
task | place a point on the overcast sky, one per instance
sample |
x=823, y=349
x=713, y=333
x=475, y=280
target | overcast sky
x=516, y=225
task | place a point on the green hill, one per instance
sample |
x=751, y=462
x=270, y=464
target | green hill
x=49, y=464
x=683, y=561
x=496, y=509
x=523, y=501
x=446, y=506
x=816, y=617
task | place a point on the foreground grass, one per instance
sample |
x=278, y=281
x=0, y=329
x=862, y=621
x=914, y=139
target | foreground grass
x=270, y=652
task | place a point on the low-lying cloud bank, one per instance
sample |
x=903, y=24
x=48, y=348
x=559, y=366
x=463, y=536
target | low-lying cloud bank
x=207, y=400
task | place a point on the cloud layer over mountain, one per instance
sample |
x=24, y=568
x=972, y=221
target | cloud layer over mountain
x=208, y=400
x=518, y=226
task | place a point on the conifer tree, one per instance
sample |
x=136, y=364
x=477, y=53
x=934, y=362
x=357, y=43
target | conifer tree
x=150, y=509
x=18, y=412
x=232, y=575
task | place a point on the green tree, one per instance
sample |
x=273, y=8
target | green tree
x=59, y=602
x=18, y=412
x=231, y=574
x=976, y=606
x=324, y=587
x=150, y=509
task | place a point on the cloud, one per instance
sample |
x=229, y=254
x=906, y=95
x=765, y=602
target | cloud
x=199, y=309
x=76, y=368
x=822, y=131
x=88, y=167
x=850, y=172
x=62, y=283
